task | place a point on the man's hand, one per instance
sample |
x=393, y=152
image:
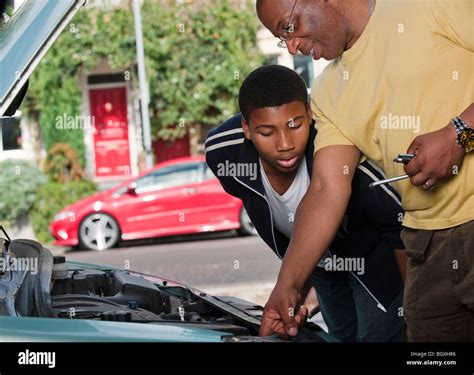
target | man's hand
x=437, y=156
x=283, y=314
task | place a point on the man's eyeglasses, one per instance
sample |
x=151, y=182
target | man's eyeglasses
x=286, y=31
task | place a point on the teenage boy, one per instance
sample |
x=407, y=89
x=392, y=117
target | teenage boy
x=359, y=284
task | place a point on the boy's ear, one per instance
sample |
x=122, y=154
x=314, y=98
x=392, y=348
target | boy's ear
x=246, y=129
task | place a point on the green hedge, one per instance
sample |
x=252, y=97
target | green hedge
x=53, y=197
x=19, y=181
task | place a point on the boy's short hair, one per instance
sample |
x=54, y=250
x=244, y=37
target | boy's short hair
x=271, y=86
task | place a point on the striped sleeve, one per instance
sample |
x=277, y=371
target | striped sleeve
x=223, y=143
x=382, y=205
x=218, y=140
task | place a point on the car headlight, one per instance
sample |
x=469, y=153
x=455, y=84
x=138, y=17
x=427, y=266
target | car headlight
x=64, y=215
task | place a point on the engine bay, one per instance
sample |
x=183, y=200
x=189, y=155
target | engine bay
x=67, y=290
x=124, y=296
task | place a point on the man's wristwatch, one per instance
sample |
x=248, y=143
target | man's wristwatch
x=465, y=134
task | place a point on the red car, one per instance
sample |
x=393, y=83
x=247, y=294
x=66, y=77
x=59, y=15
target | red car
x=176, y=197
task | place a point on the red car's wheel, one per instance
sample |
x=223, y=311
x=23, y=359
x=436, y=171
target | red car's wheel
x=99, y=232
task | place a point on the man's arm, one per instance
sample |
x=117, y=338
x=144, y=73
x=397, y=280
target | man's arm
x=316, y=222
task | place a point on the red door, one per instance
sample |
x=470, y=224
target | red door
x=111, y=143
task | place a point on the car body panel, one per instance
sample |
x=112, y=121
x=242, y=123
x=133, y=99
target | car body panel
x=26, y=329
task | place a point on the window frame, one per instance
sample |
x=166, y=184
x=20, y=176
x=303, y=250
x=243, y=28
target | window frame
x=197, y=166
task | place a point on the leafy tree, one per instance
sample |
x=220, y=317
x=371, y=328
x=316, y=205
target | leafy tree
x=198, y=59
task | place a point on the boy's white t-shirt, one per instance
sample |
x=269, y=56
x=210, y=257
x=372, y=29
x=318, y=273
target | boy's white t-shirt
x=283, y=207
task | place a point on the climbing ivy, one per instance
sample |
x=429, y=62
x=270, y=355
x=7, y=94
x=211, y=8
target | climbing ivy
x=197, y=54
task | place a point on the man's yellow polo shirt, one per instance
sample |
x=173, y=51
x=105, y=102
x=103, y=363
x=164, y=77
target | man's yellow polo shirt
x=410, y=73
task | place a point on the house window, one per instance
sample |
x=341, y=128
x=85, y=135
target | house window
x=10, y=134
x=304, y=67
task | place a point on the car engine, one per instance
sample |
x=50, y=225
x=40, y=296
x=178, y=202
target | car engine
x=61, y=290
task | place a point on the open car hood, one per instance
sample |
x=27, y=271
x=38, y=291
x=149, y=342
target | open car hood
x=55, y=300
x=25, y=38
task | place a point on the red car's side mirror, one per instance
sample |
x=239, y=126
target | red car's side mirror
x=132, y=189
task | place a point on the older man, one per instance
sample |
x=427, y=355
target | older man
x=402, y=80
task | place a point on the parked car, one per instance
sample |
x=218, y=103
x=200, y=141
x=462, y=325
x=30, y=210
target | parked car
x=176, y=197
